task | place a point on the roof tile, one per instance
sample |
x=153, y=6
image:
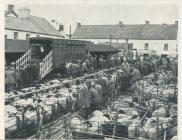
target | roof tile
x=140, y=31
x=31, y=24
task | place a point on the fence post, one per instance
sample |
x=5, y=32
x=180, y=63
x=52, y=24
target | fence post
x=18, y=125
x=23, y=125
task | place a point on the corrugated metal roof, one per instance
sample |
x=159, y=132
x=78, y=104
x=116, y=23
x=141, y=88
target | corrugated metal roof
x=16, y=45
x=102, y=48
x=31, y=24
x=140, y=32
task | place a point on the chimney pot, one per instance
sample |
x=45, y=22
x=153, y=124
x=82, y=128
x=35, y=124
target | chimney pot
x=78, y=24
x=10, y=7
x=61, y=27
x=120, y=23
x=147, y=22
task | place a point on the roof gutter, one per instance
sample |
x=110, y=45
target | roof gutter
x=35, y=32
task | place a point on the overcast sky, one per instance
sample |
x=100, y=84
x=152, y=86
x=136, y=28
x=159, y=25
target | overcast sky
x=103, y=11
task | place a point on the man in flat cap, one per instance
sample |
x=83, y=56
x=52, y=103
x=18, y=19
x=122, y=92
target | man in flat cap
x=85, y=99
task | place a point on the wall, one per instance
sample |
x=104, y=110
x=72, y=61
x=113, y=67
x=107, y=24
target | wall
x=22, y=35
x=97, y=41
x=157, y=45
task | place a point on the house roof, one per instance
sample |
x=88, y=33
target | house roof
x=31, y=24
x=12, y=45
x=102, y=48
x=139, y=32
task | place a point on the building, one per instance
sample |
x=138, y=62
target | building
x=21, y=25
x=102, y=49
x=147, y=37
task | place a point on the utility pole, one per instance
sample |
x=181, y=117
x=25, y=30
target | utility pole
x=70, y=33
x=127, y=48
x=110, y=39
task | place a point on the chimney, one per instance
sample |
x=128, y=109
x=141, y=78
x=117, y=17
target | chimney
x=176, y=22
x=120, y=23
x=147, y=22
x=61, y=27
x=10, y=10
x=23, y=13
x=78, y=24
x=11, y=7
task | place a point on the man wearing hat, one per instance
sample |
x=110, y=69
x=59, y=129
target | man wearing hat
x=85, y=99
x=10, y=79
x=85, y=67
x=103, y=82
x=95, y=98
x=22, y=77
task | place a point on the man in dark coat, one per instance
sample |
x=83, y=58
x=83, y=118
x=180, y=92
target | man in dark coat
x=124, y=80
x=85, y=99
x=22, y=77
x=95, y=99
x=103, y=82
x=30, y=72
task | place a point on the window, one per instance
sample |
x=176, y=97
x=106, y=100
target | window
x=130, y=46
x=6, y=36
x=27, y=36
x=146, y=47
x=165, y=47
x=15, y=35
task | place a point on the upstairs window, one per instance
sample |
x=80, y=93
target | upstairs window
x=15, y=35
x=27, y=36
x=165, y=47
x=146, y=47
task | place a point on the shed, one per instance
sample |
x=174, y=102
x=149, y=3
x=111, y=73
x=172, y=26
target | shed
x=101, y=49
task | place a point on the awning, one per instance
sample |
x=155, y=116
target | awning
x=102, y=48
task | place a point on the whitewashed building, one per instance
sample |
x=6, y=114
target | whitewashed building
x=21, y=25
x=147, y=37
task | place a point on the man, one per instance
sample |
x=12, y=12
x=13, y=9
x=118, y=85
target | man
x=101, y=62
x=135, y=73
x=124, y=81
x=30, y=72
x=10, y=78
x=103, y=82
x=125, y=65
x=85, y=67
x=95, y=98
x=22, y=77
x=85, y=99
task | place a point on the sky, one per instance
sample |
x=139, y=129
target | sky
x=102, y=12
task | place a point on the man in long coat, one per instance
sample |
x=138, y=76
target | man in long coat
x=85, y=99
x=22, y=77
x=95, y=99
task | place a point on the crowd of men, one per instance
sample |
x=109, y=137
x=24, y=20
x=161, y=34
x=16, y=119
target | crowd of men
x=98, y=93
x=91, y=64
x=21, y=78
